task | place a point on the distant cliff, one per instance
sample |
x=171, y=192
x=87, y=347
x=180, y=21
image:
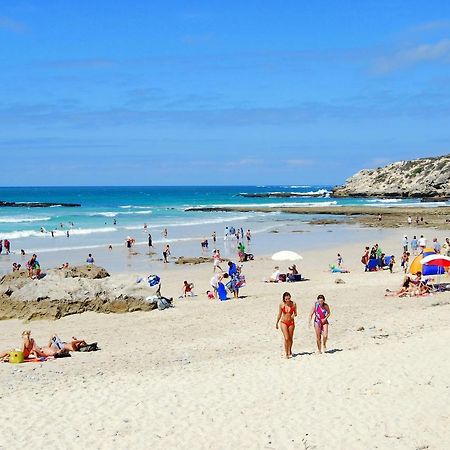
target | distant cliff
x=424, y=177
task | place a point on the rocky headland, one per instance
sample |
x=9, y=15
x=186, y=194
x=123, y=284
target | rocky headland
x=427, y=178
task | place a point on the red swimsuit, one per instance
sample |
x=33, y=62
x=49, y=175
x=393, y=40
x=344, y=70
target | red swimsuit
x=290, y=311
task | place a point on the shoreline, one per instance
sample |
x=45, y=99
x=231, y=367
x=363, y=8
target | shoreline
x=392, y=216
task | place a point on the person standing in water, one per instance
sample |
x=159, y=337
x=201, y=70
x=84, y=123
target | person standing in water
x=287, y=311
x=150, y=243
x=321, y=313
x=166, y=253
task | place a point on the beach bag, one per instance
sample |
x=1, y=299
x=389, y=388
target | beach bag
x=89, y=348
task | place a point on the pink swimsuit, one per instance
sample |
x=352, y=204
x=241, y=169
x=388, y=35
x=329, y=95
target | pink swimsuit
x=321, y=313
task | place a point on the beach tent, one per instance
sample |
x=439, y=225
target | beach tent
x=417, y=266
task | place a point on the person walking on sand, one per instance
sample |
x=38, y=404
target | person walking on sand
x=405, y=243
x=217, y=259
x=321, y=313
x=414, y=245
x=214, y=237
x=287, y=312
x=150, y=243
x=166, y=253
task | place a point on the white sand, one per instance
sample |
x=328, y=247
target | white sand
x=208, y=374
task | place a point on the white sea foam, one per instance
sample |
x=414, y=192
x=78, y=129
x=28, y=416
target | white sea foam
x=274, y=205
x=148, y=211
x=294, y=194
x=385, y=200
x=189, y=224
x=104, y=214
x=133, y=207
x=121, y=213
x=23, y=219
x=21, y=234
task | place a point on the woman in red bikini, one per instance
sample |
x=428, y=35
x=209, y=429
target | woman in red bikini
x=321, y=312
x=287, y=312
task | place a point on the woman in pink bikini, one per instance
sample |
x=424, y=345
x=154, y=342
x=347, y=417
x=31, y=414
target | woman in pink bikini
x=287, y=312
x=321, y=313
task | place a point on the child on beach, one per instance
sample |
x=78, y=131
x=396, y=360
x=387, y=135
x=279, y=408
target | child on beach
x=321, y=312
x=217, y=259
x=339, y=260
x=391, y=263
x=188, y=289
x=287, y=312
x=405, y=261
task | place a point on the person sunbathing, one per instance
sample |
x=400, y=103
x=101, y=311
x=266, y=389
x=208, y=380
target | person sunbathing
x=335, y=269
x=28, y=347
x=420, y=284
x=403, y=291
x=73, y=346
x=275, y=277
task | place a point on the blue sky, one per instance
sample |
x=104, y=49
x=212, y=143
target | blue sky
x=190, y=92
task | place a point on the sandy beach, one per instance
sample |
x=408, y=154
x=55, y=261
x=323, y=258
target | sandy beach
x=209, y=374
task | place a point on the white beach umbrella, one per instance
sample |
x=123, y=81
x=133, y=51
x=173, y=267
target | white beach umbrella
x=286, y=255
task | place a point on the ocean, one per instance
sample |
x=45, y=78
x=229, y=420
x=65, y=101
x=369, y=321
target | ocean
x=108, y=215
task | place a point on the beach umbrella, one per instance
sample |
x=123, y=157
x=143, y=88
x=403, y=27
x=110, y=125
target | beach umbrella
x=286, y=255
x=436, y=260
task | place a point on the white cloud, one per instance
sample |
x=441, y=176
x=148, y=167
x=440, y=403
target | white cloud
x=299, y=162
x=439, y=51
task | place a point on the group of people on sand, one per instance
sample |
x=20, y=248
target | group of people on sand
x=232, y=279
x=411, y=287
x=287, y=312
x=291, y=276
x=375, y=259
x=55, y=347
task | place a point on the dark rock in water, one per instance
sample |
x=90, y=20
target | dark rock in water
x=435, y=199
x=37, y=204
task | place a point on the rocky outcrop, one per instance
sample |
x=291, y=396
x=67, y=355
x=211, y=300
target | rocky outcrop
x=71, y=291
x=419, y=178
x=36, y=204
x=185, y=260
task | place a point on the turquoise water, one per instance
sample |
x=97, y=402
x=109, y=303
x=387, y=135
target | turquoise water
x=108, y=215
x=109, y=209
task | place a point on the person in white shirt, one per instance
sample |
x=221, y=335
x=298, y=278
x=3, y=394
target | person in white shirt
x=422, y=243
